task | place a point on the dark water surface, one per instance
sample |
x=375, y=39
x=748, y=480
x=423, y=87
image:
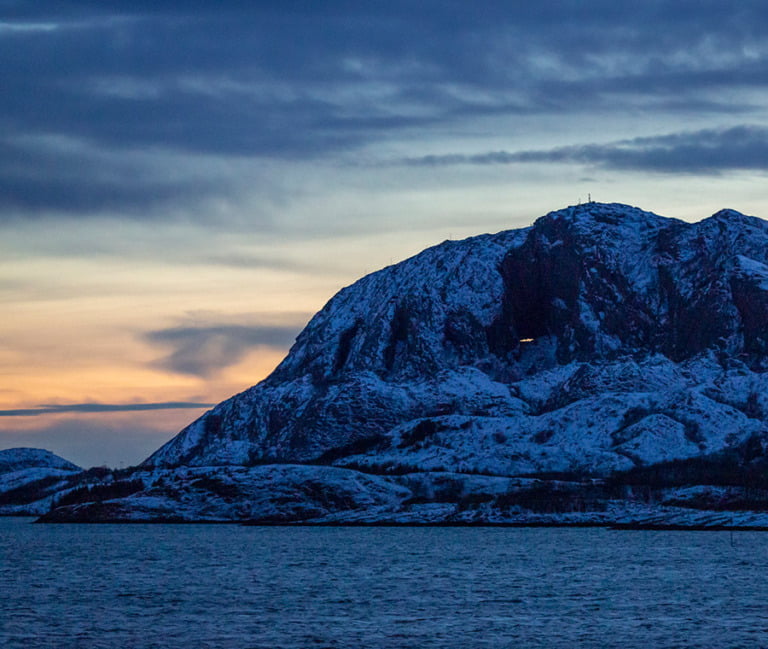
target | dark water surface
x=208, y=586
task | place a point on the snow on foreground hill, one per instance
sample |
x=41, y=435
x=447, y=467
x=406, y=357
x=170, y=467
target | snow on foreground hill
x=605, y=346
x=29, y=479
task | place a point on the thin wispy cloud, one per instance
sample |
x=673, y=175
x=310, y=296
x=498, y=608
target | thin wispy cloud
x=704, y=151
x=83, y=408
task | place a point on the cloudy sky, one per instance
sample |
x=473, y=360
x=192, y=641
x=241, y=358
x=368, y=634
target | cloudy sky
x=182, y=184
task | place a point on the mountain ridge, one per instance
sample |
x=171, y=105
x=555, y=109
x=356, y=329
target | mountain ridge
x=599, y=341
x=490, y=309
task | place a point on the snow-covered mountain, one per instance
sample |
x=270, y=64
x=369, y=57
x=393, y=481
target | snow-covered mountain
x=570, y=345
x=29, y=478
x=600, y=340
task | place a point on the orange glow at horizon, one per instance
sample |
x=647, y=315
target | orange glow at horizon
x=129, y=383
x=120, y=437
x=78, y=329
x=75, y=330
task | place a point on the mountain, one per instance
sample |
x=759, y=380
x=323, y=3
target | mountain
x=29, y=479
x=598, y=342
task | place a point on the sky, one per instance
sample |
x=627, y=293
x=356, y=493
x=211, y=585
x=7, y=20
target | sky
x=183, y=184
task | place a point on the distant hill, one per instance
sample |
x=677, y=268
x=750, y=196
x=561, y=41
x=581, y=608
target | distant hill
x=17, y=459
x=29, y=479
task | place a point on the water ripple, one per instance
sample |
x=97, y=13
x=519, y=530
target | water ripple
x=227, y=587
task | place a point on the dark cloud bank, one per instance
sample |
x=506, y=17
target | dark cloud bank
x=303, y=81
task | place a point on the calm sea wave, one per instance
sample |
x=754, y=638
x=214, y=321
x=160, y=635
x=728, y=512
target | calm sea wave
x=221, y=587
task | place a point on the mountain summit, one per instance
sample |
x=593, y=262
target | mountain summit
x=600, y=340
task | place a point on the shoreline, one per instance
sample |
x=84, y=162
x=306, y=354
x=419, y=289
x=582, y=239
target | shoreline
x=611, y=526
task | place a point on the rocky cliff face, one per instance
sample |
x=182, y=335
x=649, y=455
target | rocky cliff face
x=601, y=338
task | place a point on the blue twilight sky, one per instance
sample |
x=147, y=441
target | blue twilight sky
x=182, y=184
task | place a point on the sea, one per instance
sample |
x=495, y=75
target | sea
x=226, y=586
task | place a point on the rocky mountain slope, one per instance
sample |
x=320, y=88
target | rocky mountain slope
x=600, y=340
x=29, y=479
